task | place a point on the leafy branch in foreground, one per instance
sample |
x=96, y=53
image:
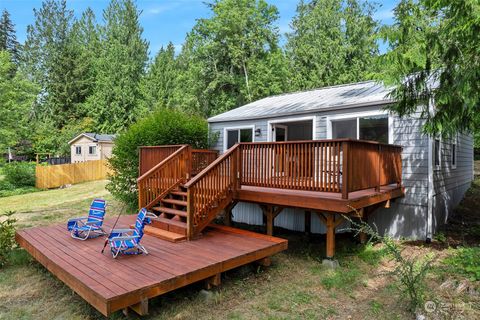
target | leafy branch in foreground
x=7, y=236
x=410, y=271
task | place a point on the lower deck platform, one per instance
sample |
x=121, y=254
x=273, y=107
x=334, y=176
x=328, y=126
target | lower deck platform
x=113, y=284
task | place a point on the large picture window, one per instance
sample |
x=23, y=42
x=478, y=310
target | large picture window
x=373, y=128
x=234, y=136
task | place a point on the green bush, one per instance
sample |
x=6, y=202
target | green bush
x=20, y=174
x=163, y=127
x=466, y=262
x=7, y=236
x=5, y=185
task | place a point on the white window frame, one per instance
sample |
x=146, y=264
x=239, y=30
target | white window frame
x=358, y=115
x=226, y=129
x=271, y=123
x=437, y=151
x=277, y=125
x=76, y=150
x=454, y=156
x=92, y=154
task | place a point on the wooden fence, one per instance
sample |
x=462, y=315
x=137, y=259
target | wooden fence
x=59, y=175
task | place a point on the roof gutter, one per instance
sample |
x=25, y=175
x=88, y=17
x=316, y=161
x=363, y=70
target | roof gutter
x=334, y=108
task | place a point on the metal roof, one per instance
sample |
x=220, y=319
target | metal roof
x=342, y=96
x=96, y=137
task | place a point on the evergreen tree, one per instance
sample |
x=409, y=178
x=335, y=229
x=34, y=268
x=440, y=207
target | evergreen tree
x=159, y=83
x=332, y=42
x=8, y=37
x=433, y=62
x=17, y=95
x=114, y=103
x=219, y=54
x=51, y=61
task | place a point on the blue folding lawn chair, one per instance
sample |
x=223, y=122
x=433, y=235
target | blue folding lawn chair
x=127, y=241
x=84, y=228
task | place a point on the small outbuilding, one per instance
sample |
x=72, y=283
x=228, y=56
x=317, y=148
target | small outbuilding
x=91, y=146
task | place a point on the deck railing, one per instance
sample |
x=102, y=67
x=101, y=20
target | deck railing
x=150, y=156
x=157, y=182
x=210, y=189
x=340, y=165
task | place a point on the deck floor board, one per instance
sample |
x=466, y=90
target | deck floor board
x=111, y=284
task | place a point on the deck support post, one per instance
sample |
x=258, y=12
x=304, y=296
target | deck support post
x=227, y=220
x=331, y=222
x=307, y=220
x=265, y=262
x=213, y=281
x=140, y=308
x=270, y=213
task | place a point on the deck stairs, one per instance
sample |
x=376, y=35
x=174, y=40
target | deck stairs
x=167, y=189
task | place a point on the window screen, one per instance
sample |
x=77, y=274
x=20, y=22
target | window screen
x=92, y=149
x=246, y=135
x=232, y=138
x=344, y=129
x=374, y=128
x=78, y=150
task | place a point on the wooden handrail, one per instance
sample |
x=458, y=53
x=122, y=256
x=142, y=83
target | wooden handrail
x=157, y=182
x=211, y=165
x=211, y=190
x=155, y=168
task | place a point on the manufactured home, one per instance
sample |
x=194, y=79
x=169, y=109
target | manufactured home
x=436, y=172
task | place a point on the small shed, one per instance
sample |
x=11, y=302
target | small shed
x=91, y=146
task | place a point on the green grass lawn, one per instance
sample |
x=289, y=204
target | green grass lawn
x=296, y=286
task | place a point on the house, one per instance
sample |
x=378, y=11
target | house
x=436, y=172
x=91, y=146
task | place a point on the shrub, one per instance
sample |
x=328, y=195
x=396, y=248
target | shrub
x=165, y=126
x=409, y=272
x=466, y=262
x=7, y=236
x=20, y=174
x=5, y=185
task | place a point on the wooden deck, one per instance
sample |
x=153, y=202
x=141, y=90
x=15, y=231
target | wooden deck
x=110, y=285
x=317, y=200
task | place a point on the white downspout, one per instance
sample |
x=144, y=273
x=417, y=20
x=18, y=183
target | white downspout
x=429, y=235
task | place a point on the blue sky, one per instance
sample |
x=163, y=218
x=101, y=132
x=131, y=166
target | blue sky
x=162, y=20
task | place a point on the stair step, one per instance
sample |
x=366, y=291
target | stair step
x=164, y=234
x=175, y=202
x=179, y=193
x=175, y=226
x=170, y=211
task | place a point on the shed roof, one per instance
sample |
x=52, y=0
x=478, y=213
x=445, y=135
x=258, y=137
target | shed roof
x=342, y=96
x=96, y=137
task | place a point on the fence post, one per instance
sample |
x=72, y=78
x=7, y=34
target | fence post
x=345, y=177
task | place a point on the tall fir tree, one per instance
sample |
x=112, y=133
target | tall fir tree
x=120, y=66
x=8, y=37
x=332, y=42
x=159, y=83
x=219, y=55
x=52, y=61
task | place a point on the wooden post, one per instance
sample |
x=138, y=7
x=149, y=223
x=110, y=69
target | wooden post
x=228, y=213
x=265, y=262
x=330, y=224
x=345, y=147
x=140, y=308
x=189, y=213
x=308, y=220
x=213, y=281
x=270, y=213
